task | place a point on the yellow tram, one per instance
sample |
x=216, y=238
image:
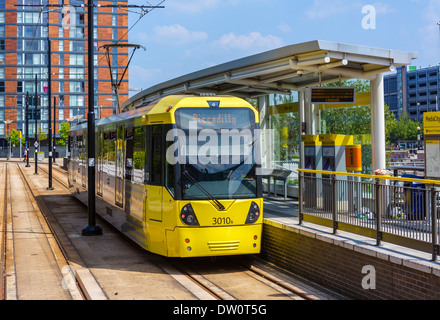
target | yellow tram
x=179, y=176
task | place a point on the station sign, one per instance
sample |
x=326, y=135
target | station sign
x=331, y=95
x=431, y=123
x=431, y=128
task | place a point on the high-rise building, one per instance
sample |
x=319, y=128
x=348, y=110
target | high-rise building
x=24, y=34
x=413, y=91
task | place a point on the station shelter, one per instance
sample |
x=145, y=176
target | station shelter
x=302, y=69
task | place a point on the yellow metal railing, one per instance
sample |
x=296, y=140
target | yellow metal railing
x=378, y=206
x=371, y=176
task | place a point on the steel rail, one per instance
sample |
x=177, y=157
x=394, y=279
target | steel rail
x=4, y=236
x=44, y=212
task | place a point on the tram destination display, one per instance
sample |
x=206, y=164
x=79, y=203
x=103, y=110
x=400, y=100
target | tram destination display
x=331, y=95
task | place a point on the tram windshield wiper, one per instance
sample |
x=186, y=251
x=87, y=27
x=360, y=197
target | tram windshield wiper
x=210, y=196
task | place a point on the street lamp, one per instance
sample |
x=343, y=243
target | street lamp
x=7, y=123
x=418, y=138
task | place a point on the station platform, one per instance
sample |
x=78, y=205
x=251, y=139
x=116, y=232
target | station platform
x=343, y=260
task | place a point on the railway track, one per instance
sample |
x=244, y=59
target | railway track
x=3, y=228
x=232, y=278
x=226, y=278
x=77, y=290
x=34, y=265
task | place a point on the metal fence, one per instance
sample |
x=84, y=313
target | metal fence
x=404, y=211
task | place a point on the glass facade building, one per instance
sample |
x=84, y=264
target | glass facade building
x=24, y=34
x=414, y=91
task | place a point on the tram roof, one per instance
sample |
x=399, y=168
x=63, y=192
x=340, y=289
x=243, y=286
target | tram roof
x=286, y=69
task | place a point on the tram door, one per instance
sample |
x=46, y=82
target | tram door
x=120, y=166
x=155, y=166
x=100, y=161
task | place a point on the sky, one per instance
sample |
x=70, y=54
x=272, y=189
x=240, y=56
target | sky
x=190, y=35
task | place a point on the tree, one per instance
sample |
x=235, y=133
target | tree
x=404, y=129
x=14, y=138
x=64, y=133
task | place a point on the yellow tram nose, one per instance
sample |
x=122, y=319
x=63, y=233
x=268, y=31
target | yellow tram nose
x=208, y=241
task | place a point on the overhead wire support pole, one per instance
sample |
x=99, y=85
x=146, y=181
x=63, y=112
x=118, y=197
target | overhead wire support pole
x=27, y=148
x=36, y=125
x=91, y=229
x=54, y=128
x=49, y=94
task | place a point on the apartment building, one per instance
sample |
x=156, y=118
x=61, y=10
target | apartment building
x=24, y=34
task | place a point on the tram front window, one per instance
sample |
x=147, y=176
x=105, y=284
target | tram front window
x=217, y=153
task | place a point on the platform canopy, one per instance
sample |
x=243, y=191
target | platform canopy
x=290, y=68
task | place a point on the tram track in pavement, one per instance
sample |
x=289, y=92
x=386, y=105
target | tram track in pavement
x=3, y=228
x=242, y=272
x=221, y=284
x=72, y=279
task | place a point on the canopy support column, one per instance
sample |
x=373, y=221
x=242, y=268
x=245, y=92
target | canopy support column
x=377, y=123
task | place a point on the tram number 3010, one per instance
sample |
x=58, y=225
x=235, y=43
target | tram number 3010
x=222, y=220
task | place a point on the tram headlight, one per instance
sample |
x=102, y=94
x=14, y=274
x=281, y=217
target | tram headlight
x=188, y=216
x=253, y=214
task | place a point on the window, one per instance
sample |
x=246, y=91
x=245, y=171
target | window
x=76, y=59
x=77, y=46
x=76, y=73
x=2, y=86
x=75, y=86
x=156, y=155
x=32, y=31
x=60, y=114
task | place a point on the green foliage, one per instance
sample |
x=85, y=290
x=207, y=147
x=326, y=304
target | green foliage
x=41, y=135
x=64, y=133
x=404, y=129
x=14, y=138
x=285, y=128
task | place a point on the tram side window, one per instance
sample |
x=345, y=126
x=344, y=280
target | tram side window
x=170, y=169
x=129, y=154
x=109, y=152
x=156, y=155
x=138, y=155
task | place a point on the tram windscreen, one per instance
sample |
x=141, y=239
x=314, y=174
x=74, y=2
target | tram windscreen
x=216, y=153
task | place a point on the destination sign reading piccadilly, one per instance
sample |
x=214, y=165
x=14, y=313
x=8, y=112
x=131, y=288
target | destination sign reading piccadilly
x=331, y=95
x=431, y=123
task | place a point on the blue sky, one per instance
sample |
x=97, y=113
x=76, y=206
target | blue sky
x=189, y=35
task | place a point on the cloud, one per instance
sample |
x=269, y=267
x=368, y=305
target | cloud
x=284, y=27
x=193, y=6
x=322, y=9
x=175, y=34
x=253, y=41
x=143, y=76
x=430, y=31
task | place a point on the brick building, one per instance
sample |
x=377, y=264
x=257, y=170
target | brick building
x=24, y=33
